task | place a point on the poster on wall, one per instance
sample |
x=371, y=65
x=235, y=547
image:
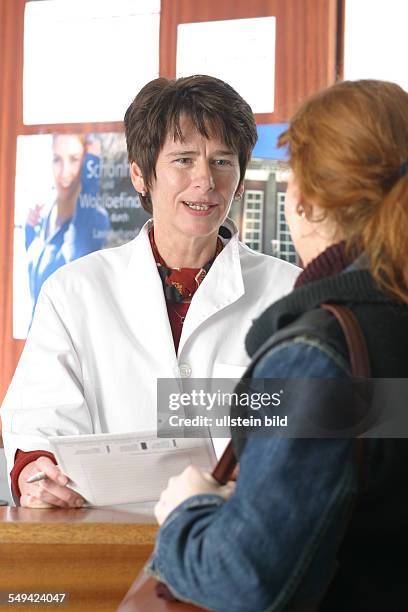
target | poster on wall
x=86, y=61
x=73, y=196
x=248, y=54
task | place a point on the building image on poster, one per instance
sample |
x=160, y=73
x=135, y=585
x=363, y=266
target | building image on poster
x=73, y=196
x=260, y=214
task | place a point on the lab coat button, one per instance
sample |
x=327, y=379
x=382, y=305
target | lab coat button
x=185, y=370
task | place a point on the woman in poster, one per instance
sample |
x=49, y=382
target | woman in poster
x=68, y=229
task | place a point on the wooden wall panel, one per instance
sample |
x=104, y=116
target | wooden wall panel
x=11, y=62
x=306, y=61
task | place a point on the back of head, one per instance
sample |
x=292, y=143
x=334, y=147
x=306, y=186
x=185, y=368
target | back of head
x=348, y=148
x=212, y=105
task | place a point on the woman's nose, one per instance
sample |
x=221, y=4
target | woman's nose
x=203, y=176
x=65, y=171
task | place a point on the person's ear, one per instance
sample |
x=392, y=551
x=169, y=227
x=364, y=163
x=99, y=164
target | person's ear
x=299, y=205
x=137, y=178
x=239, y=191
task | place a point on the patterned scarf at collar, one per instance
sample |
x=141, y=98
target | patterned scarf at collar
x=180, y=284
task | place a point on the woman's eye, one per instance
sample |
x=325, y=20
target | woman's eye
x=183, y=161
x=222, y=162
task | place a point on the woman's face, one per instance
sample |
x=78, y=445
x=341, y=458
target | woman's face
x=195, y=185
x=68, y=153
x=293, y=219
x=311, y=232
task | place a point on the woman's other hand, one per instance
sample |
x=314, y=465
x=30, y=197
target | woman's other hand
x=50, y=492
x=190, y=482
x=34, y=215
x=93, y=146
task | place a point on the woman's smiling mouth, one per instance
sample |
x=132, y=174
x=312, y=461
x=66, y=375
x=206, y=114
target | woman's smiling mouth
x=199, y=206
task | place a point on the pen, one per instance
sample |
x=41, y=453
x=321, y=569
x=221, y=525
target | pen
x=37, y=477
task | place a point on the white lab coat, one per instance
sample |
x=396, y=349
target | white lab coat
x=101, y=337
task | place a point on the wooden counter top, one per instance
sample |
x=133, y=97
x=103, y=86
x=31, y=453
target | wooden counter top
x=83, y=526
x=92, y=554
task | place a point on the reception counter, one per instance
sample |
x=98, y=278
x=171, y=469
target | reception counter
x=91, y=555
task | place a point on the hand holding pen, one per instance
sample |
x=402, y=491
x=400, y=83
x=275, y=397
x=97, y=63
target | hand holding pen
x=37, y=477
x=43, y=485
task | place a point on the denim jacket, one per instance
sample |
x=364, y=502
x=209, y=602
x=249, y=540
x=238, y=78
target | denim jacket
x=272, y=546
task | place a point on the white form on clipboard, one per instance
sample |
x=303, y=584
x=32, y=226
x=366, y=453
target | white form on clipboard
x=110, y=469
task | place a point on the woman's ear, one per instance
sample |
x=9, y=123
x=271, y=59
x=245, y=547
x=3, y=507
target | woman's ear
x=137, y=178
x=295, y=202
x=239, y=191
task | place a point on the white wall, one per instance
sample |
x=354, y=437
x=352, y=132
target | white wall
x=376, y=43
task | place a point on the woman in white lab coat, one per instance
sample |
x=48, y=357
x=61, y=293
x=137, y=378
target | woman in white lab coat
x=175, y=302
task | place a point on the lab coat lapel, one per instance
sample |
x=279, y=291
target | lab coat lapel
x=145, y=303
x=222, y=286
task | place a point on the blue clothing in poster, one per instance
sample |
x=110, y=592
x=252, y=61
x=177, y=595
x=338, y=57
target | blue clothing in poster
x=84, y=233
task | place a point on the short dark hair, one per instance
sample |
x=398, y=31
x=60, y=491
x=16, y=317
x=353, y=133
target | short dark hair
x=212, y=105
